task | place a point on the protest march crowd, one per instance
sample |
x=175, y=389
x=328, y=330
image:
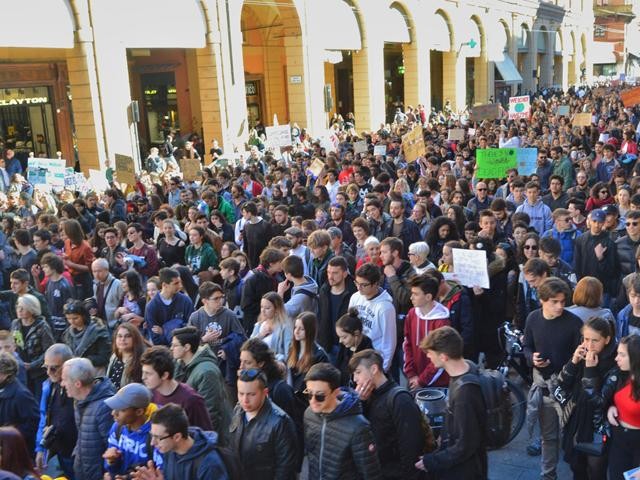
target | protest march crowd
x=257, y=318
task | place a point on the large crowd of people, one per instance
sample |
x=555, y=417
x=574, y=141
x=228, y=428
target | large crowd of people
x=271, y=320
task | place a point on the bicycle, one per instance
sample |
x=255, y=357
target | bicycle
x=515, y=361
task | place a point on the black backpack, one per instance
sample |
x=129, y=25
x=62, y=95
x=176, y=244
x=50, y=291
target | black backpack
x=497, y=400
x=429, y=439
x=230, y=459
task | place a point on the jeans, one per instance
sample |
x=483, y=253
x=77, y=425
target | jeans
x=66, y=465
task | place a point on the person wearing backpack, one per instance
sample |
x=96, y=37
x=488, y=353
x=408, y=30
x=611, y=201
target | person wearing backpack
x=551, y=336
x=129, y=444
x=262, y=434
x=463, y=449
x=398, y=427
x=187, y=452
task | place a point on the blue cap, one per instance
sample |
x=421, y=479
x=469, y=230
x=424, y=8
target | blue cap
x=598, y=216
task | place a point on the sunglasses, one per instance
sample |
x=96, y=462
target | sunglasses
x=632, y=224
x=51, y=368
x=249, y=374
x=481, y=189
x=319, y=397
x=531, y=247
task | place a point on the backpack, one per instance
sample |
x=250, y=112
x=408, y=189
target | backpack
x=497, y=400
x=427, y=432
x=230, y=459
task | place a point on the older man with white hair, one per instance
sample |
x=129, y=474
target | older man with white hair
x=93, y=416
x=418, y=253
x=107, y=291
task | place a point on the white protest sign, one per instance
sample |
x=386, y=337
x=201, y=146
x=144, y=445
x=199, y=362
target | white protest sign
x=360, y=147
x=519, y=107
x=470, y=266
x=279, y=136
x=456, y=135
x=49, y=171
x=380, y=150
x=98, y=180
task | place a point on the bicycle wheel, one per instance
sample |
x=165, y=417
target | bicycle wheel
x=518, y=409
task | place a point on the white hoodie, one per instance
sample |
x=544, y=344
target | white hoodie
x=378, y=317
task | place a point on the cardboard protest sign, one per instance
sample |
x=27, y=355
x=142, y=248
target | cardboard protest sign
x=519, y=107
x=456, y=135
x=329, y=141
x=360, y=147
x=413, y=144
x=279, y=136
x=470, y=267
x=494, y=162
x=49, y=171
x=380, y=150
x=527, y=160
x=563, y=110
x=582, y=120
x=490, y=111
x=190, y=168
x=316, y=167
x=125, y=169
x=630, y=98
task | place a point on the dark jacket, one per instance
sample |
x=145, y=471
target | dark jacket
x=458, y=302
x=254, y=288
x=606, y=270
x=327, y=337
x=400, y=289
x=578, y=384
x=118, y=211
x=600, y=394
x=180, y=467
x=18, y=408
x=297, y=378
x=267, y=444
x=93, y=420
x=11, y=298
x=344, y=356
x=462, y=454
x=345, y=228
x=340, y=445
x=57, y=410
x=409, y=234
x=318, y=268
x=396, y=424
x=31, y=349
x=203, y=375
x=627, y=254
x=95, y=343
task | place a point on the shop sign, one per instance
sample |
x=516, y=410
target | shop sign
x=23, y=101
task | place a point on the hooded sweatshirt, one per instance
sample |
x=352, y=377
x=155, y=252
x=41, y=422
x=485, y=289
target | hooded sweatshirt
x=539, y=215
x=304, y=298
x=180, y=467
x=379, y=322
x=416, y=327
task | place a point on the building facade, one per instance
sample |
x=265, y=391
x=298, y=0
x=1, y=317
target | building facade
x=96, y=78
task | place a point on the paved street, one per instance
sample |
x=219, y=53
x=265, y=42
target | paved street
x=513, y=463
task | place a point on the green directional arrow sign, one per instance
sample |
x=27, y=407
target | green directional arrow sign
x=472, y=43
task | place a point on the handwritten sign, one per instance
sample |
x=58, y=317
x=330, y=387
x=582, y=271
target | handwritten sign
x=470, y=267
x=490, y=111
x=582, y=120
x=279, y=136
x=527, y=160
x=360, y=147
x=49, y=171
x=125, y=169
x=494, y=162
x=562, y=111
x=413, y=144
x=630, y=98
x=98, y=180
x=456, y=135
x=316, y=167
x=380, y=150
x=519, y=107
x=190, y=169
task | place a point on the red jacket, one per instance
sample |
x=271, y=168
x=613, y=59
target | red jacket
x=416, y=363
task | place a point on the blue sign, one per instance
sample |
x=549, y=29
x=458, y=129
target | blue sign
x=527, y=160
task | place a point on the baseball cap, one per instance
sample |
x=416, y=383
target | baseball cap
x=598, y=215
x=610, y=210
x=133, y=395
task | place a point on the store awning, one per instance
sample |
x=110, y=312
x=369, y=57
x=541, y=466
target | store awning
x=38, y=24
x=341, y=29
x=440, y=34
x=602, y=53
x=396, y=29
x=508, y=71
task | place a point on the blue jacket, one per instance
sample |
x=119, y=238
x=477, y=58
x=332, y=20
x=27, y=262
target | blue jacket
x=65, y=438
x=566, y=240
x=169, y=317
x=622, y=322
x=604, y=170
x=179, y=467
x=19, y=409
x=133, y=446
x=94, y=420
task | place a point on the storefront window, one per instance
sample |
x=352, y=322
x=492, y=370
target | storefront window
x=27, y=121
x=161, y=105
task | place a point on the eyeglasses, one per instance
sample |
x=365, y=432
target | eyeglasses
x=632, y=224
x=481, y=189
x=158, y=438
x=363, y=285
x=531, y=247
x=51, y=368
x=216, y=298
x=318, y=396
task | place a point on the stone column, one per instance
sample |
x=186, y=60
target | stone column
x=368, y=86
x=454, y=73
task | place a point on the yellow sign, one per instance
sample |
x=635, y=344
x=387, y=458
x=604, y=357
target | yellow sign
x=190, y=168
x=413, y=144
x=125, y=169
x=582, y=120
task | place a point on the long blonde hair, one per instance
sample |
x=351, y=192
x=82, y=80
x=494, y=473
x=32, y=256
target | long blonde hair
x=280, y=314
